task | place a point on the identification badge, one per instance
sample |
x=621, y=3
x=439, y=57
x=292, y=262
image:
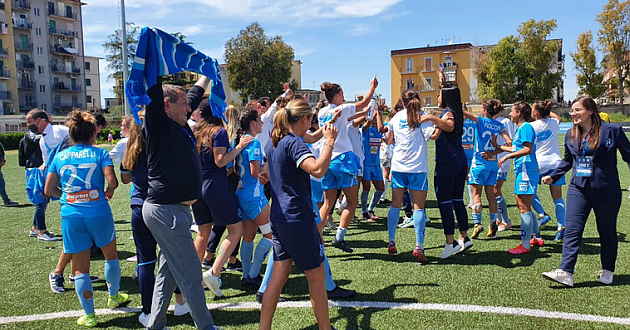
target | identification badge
x=584, y=166
x=467, y=146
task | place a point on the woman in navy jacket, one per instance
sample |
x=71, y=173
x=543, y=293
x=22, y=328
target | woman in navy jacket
x=591, y=151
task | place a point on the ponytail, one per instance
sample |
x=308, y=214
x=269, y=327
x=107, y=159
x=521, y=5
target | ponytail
x=411, y=102
x=543, y=108
x=283, y=119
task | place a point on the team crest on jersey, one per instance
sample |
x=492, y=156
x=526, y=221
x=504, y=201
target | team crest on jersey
x=543, y=136
x=609, y=142
x=403, y=124
x=326, y=118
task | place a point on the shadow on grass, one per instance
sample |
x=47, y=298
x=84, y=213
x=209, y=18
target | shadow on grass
x=228, y=318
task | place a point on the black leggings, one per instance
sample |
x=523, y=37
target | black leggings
x=449, y=190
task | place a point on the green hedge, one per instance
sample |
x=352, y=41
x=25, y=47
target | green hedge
x=11, y=141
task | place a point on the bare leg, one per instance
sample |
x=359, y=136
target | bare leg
x=201, y=240
x=235, y=231
x=319, y=297
x=281, y=270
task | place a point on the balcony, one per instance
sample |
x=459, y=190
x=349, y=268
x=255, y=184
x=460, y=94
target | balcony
x=21, y=5
x=68, y=16
x=26, y=84
x=4, y=73
x=63, y=88
x=23, y=25
x=24, y=47
x=5, y=95
x=4, y=28
x=62, y=33
x=25, y=65
x=62, y=69
x=63, y=51
x=66, y=107
x=25, y=107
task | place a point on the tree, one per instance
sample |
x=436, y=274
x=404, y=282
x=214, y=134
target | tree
x=614, y=37
x=501, y=72
x=539, y=55
x=113, y=54
x=256, y=64
x=589, y=77
x=521, y=68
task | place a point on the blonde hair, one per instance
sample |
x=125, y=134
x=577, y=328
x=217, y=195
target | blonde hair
x=135, y=146
x=232, y=122
x=295, y=110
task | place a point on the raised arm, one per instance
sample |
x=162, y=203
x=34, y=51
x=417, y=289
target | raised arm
x=318, y=167
x=368, y=96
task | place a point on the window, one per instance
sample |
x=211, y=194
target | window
x=42, y=88
x=448, y=59
x=40, y=69
x=51, y=8
x=427, y=101
x=428, y=83
x=409, y=65
x=88, y=82
x=43, y=106
x=428, y=64
x=88, y=98
x=36, y=11
x=410, y=84
x=40, y=50
x=87, y=66
x=69, y=12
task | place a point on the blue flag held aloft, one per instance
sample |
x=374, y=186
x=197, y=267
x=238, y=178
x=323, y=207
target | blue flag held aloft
x=159, y=53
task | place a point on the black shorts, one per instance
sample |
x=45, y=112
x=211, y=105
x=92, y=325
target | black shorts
x=220, y=200
x=298, y=241
x=201, y=213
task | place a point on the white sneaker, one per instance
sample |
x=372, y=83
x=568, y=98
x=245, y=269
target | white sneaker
x=560, y=276
x=144, y=319
x=133, y=259
x=465, y=244
x=48, y=237
x=194, y=228
x=605, y=276
x=182, y=309
x=451, y=250
x=407, y=223
x=213, y=283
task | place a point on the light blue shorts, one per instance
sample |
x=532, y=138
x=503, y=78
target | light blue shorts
x=80, y=233
x=249, y=206
x=373, y=173
x=335, y=179
x=526, y=187
x=411, y=181
x=483, y=176
x=502, y=176
x=317, y=193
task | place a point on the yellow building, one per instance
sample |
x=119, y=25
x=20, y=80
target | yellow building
x=417, y=69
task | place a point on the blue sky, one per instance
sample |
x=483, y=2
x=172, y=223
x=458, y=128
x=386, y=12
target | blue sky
x=344, y=41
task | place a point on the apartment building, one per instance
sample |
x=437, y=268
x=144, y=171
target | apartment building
x=41, y=56
x=417, y=69
x=92, y=83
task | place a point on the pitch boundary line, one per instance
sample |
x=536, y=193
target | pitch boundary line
x=516, y=311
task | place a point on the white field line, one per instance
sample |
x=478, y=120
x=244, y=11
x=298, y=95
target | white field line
x=353, y=304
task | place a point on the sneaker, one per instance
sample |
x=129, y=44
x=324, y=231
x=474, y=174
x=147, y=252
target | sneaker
x=605, y=276
x=492, y=231
x=88, y=320
x=144, y=318
x=92, y=278
x=194, y=228
x=341, y=293
x=235, y=266
x=56, y=283
x=520, y=249
x=207, y=264
x=544, y=220
x=537, y=241
x=407, y=223
x=451, y=250
x=420, y=257
x=117, y=300
x=259, y=297
x=181, y=309
x=559, y=235
x=560, y=276
x=132, y=258
x=373, y=216
x=48, y=237
x=391, y=249
x=252, y=283
x=477, y=230
x=32, y=233
x=342, y=245
x=504, y=226
x=213, y=283
x=466, y=243
x=11, y=203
